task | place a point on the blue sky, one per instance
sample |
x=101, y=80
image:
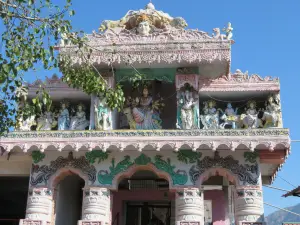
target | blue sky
x=266, y=34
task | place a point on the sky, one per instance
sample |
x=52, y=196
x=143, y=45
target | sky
x=266, y=34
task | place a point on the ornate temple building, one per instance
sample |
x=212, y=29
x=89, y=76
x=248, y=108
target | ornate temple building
x=193, y=145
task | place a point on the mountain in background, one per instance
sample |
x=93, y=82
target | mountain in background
x=278, y=217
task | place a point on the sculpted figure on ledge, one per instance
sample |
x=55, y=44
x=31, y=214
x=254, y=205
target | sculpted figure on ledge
x=270, y=116
x=249, y=119
x=187, y=109
x=210, y=116
x=102, y=115
x=46, y=121
x=79, y=121
x=143, y=113
x=64, y=117
x=229, y=117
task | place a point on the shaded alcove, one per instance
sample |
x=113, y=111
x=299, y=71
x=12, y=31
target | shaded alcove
x=142, y=198
x=69, y=200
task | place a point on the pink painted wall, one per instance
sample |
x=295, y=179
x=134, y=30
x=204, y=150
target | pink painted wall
x=138, y=195
x=217, y=197
x=218, y=206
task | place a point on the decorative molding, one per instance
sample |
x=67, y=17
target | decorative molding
x=37, y=156
x=41, y=174
x=122, y=139
x=188, y=156
x=96, y=154
x=239, y=82
x=251, y=156
x=246, y=174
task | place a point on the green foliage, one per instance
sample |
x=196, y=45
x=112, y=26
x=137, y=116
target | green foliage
x=31, y=30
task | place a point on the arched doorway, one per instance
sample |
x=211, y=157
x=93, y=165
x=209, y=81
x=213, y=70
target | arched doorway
x=143, y=198
x=68, y=199
x=218, y=185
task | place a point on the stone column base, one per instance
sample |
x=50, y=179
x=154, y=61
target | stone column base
x=88, y=222
x=34, y=222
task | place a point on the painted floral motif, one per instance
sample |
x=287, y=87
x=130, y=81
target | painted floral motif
x=37, y=156
x=188, y=156
x=44, y=172
x=247, y=174
x=179, y=177
x=96, y=154
x=251, y=156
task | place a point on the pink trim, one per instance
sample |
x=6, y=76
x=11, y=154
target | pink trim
x=64, y=172
x=217, y=172
x=135, y=168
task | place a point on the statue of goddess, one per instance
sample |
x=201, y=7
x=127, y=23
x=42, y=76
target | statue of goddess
x=63, y=117
x=228, y=31
x=79, y=121
x=210, y=117
x=249, y=120
x=102, y=117
x=145, y=117
x=229, y=116
x=187, y=113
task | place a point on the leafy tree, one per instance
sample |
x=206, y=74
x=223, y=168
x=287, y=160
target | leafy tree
x=32, y=29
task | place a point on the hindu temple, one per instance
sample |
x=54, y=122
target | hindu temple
x=193, y=145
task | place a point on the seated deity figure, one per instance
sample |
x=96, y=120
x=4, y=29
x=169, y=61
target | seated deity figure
x=102, y=117
x=143, y=113
x=187, y=112
x=229, y=116
x=46, y=121
x=63, y=117
x=144, y=28
x=269, y=116
x=249, y=120
x=79, y=121
x=210, y=117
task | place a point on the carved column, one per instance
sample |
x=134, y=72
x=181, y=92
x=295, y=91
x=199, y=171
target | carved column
x=39, y=207
x=189, y=207
x=249, y=206
x=96, y=206
x=187, y=101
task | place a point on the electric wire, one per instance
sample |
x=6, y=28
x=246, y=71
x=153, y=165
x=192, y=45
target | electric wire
x=281, y=209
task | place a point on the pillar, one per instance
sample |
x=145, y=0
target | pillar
x=96, y=206
x=189, y=207
x=39, y=207
x=249, y=206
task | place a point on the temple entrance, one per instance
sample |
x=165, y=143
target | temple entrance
x=69, y=200
x=143, y=199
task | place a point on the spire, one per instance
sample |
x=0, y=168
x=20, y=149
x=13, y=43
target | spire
x=150, y=5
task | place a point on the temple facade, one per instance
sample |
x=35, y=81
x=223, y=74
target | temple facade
x=193, y=145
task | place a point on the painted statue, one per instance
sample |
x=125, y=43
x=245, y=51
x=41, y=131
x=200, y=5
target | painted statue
x=249, y=120
x=187, y=111
x=269, y=116
x=228, y=30
x=143, y=114
x=63, y=117
x=210, y=117
x=79, y=121
x=46, y=121
x=230, y=117
x=25, y=125
x=102, y=115
x=144, y=28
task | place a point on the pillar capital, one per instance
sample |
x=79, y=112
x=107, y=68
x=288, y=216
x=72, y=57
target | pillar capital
x=96, y=207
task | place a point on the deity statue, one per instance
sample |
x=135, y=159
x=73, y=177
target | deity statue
x=144, y=114
x=63, y=117
x=249, y=120
x=79, y=121
x=269, y=116
x=210, y=117
x=144, y=28
x=229, y=116
x=46, y=121
x=228, y=30
x=187, y=111
x=25, y=125
x=102, y=115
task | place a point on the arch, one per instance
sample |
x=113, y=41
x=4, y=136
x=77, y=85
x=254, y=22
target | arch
x=63, y=173
x=135, y=168
x=217, y=171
